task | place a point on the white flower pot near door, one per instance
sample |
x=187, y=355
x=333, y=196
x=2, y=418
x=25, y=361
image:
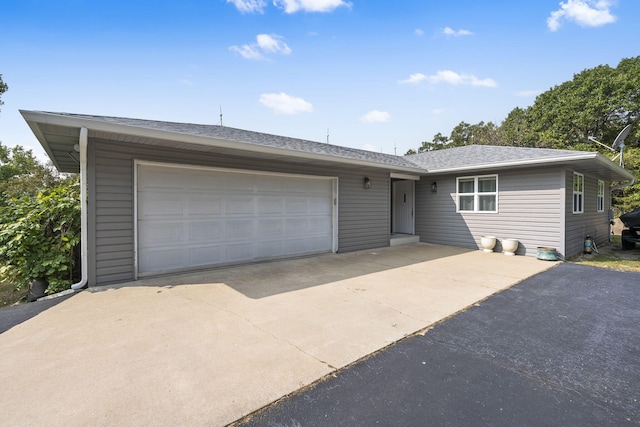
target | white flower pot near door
x=488, y=243
x=509, y=246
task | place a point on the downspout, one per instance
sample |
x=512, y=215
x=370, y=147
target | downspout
x=84, y=262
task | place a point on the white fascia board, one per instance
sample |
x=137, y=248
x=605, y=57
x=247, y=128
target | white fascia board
x=55, y=119
x=616, y=168
x=548, y=160
x=513, y=163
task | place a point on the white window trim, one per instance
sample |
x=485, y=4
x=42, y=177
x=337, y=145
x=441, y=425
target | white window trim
x=600, y=198
x=476, y=194
x=579, y=193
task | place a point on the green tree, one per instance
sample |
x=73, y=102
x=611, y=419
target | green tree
x=598, y=102
x=22, y=174
x=39, y=221
x=39, y=237
x=3, y=89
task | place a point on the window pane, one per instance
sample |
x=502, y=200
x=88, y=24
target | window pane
x=487, y=203
x=466, y=185
x=577, y=202
x=466, y=203
x=487, y=185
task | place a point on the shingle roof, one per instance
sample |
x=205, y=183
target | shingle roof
x=251, y=137
x=469, y=156
x=58, y=133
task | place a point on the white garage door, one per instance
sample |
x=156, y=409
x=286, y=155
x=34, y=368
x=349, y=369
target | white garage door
x=195, y=217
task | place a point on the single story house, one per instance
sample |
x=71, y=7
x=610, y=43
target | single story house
x=162, y=197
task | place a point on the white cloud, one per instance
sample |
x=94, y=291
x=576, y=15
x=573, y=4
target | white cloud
x=418, y=32
x=281, y=103
x=456, y=33
x=249, y=6
x=375, y=116
x=265, y=44
x=453, y=78
x=293, y=6
x=586, y=13
x=438, y=111
x=273, y=43
x=414, y=79
x=370, y=147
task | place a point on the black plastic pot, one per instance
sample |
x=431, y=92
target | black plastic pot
x=37, y=289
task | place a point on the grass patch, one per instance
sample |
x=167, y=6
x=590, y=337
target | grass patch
x=613, y=257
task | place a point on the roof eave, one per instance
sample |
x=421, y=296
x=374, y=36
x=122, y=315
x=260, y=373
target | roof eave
x=619, y=170
x=34, y=117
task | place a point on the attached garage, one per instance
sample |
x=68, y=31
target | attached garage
x=190, y=217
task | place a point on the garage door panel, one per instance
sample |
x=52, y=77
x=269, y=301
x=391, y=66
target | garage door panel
x=162, y=259
x=296, y=205
x=270, y=227
x=272, y=205
x=315, y=244
x=160, y=203
x=296, y=226
x=205, y=204
x=240, y=182
x=206, y=231
x=189, y=217
x=206, y=255
x=270, y=249
x=240, y=228
x=239, y=252
x=161, y=177
x=240, y=205
x=270, y=184
x=318, y=187
x=160, y=233
x=318, y=225
x=204, y=181
x=319, y=206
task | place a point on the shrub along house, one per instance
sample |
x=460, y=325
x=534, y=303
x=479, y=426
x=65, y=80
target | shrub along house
x=163, y=197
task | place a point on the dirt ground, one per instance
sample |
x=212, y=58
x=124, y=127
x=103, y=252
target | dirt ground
x=9, y=296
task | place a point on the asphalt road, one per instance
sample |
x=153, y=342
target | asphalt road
x=14, y=315
x=560, y=348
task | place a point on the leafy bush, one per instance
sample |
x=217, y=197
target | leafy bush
x=40, y=236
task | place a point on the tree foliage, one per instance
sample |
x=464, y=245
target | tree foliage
x=3, y=89
x=39, y=221
x=598, y=102
x=39, y=237
x=21, y=173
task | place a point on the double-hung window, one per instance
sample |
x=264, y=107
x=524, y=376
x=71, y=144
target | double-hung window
x=477, y=193
x=600, y=202
x=578, y=193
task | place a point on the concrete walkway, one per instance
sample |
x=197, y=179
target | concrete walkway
x=211, y=347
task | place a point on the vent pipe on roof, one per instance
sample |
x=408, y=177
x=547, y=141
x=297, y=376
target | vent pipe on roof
x=84, y=137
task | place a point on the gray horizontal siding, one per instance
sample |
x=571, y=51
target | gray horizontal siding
x=529, y=209
x=590, y=222
x=363, y=215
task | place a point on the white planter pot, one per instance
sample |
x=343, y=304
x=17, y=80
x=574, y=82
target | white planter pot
x=509, y=246
x=488, y=243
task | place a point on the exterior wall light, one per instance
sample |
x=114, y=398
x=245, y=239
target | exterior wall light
x=434, y=187
x=367, y=183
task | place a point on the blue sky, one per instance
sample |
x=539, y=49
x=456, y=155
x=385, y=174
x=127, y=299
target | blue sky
x=375, y=74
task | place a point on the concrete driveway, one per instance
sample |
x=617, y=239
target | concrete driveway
x=210, y=347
